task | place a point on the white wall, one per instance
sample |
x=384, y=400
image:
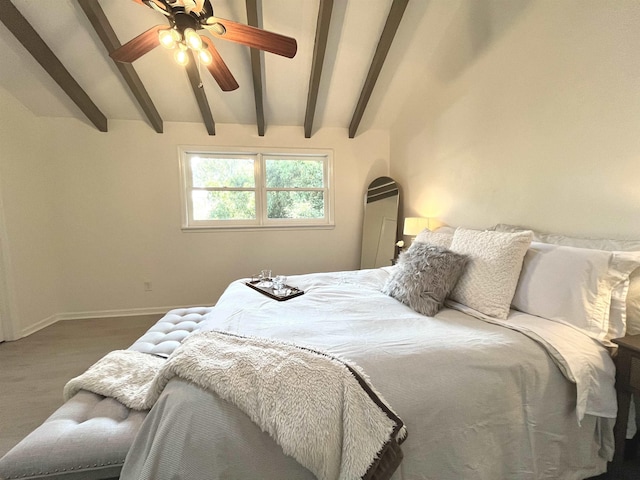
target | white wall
x=29, y=259
x=528, y=113
x=115, y=200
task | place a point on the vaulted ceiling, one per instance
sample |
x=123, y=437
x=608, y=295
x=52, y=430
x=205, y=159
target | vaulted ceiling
x=355, y=64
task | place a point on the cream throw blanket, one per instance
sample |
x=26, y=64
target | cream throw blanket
x=320, y=410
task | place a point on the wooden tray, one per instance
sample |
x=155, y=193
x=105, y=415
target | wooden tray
x=269, y=292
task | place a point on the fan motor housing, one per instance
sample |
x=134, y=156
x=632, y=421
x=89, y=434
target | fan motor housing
x=183, y=20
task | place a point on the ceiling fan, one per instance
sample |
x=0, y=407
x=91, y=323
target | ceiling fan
x=185, y=18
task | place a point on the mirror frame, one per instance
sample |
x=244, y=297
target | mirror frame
x=385, y=228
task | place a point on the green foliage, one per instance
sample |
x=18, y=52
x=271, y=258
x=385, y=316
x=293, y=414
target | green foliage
x=222, y=172
x=287, y=204
x=233, y=173
x=232, y=205
x=223, y=205
x=295, y=174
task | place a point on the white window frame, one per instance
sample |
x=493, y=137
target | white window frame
x=260, y=155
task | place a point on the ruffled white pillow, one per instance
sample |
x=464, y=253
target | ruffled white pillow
x=624, y=314
x=572, y=285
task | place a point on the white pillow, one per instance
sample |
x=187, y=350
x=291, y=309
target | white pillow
x=490, y=278
x=625, y=300
x=572, y=285
x=445, y=229
x=434, y=238
x=607, y=244
x=633, y=304
x=618, y=320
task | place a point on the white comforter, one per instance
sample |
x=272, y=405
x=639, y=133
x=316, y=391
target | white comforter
x=480, y=401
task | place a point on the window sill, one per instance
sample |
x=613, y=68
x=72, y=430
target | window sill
x=256, y=228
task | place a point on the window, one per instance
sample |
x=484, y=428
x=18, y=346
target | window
x=238, y=189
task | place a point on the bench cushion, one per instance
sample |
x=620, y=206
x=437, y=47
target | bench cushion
x=88, y=437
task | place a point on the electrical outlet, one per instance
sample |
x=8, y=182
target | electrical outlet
x=147, y=286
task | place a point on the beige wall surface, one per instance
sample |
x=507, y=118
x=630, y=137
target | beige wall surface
x=103, y=216
x=29, y=260
x=523, y=112
x=527, y=113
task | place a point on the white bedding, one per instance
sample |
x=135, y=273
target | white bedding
x=581, y=359
x=480, y=401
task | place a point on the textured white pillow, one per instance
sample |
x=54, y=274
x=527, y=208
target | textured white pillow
x=572, y=285
x=624, y=315
x=491, y=275
x=438, y=239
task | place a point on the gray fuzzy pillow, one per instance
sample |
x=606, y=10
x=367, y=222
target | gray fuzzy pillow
x=424, y=276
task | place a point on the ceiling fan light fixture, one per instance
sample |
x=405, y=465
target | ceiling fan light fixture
x=192, y=39
x=185, y=18
x=153, y=5
x=217, y=28
x=169, y=38
x=181, y=57
x=205, y=57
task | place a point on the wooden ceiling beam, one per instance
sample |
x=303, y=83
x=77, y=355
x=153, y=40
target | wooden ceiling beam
x=105, y=31
x=319, y=49
x=39, y=50
x=257, y=69
x=198, y=91
x=388, y=33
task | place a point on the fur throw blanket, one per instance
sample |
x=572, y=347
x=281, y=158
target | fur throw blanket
x=322, y=411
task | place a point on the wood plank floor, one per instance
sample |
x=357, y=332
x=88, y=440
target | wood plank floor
x=34, y=369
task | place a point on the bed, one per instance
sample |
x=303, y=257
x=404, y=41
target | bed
x=484, y=390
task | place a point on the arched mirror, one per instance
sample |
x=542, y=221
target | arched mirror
x=382, y=203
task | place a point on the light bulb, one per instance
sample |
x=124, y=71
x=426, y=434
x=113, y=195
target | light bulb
x=192, y=38
x=205, y=56
x=181, y=57
x=167, y=39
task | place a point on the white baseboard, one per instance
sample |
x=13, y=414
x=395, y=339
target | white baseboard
x=129, y=312
x=50, y=320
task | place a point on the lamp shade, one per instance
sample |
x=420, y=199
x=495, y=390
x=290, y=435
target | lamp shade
x=414, y=225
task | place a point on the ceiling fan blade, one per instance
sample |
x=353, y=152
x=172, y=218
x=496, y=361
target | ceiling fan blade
x=137, y=47
x=252, y=36
x=219, y=70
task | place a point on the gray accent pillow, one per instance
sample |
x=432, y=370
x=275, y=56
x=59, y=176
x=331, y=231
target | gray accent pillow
x=424, y=276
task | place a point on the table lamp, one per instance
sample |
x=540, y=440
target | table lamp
x=414, y=225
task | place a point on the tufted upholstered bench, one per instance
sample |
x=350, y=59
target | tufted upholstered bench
x=89, y=436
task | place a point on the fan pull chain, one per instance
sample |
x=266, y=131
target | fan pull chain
x=199, y=71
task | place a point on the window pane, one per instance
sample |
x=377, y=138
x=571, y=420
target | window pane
x=295, y=204
x=295, y=173
x=223, y=205
x=222, y=172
